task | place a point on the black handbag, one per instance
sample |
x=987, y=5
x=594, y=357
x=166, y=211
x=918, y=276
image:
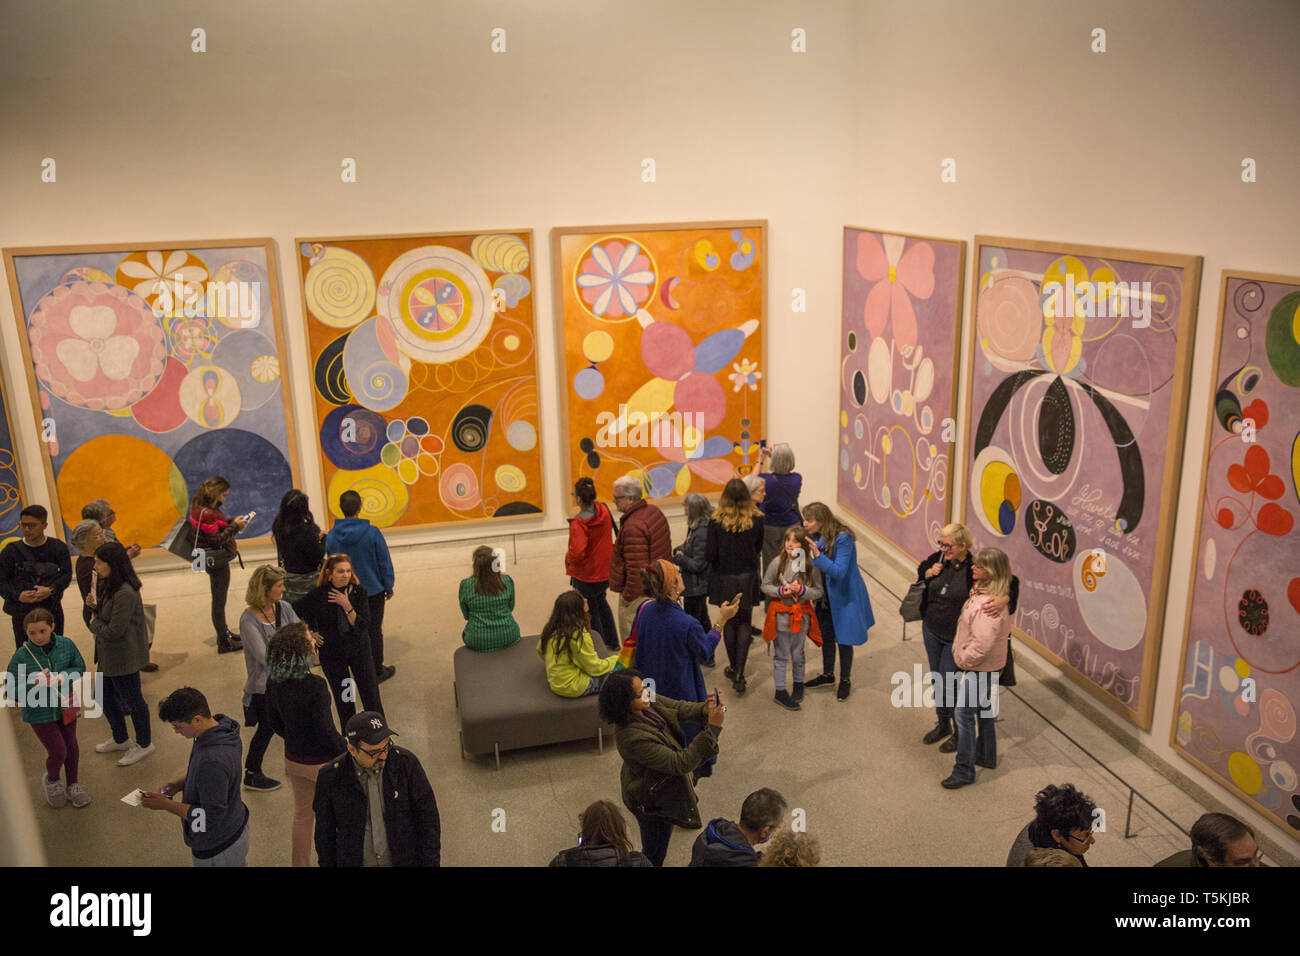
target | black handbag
x=910, y=608
x=657, y=789
x=1008, y=676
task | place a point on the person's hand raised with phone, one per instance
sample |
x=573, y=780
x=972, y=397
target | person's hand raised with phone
x=717, y=713
x=727, y=611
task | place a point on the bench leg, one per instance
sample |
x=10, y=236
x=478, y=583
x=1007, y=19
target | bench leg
x=460, y=734
x=496, y=749
x=600, y=738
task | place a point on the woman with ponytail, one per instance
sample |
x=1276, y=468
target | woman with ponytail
x=591, y=546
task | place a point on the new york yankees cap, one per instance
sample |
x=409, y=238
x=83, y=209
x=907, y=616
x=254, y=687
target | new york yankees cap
x=368, y=727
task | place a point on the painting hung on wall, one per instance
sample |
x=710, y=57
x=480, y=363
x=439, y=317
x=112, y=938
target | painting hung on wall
x=424, y=358
x=1075, y=433
x=11, y=479
x=1240, y=676
x=661, y=329
x=898, y=382
x=152, y=368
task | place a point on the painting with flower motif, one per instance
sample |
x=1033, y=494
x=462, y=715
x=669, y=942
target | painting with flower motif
x=661, y=329
x=424, y=358
x=1235, y=716
x=1075, y=424
x=898, y=383
x=152, y=368
x=11, y=479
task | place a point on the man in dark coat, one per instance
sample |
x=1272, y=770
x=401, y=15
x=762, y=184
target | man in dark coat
x=374, y=805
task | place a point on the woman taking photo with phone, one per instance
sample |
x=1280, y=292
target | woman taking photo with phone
x=657, y=761
x=214, y=535
x=844, y=614
x=335, y=610
x=734, y=545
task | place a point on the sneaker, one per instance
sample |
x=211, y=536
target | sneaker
x=940, y=730
x=385, y=672
x=135, y=754
x=786, y=701
x=77, y=795
x=843, y=692
x=954, y=783
x=949, y=746
x=111, y=746
x=821, y=680
x=797, y=694
x=259, y=781
x=55, y=795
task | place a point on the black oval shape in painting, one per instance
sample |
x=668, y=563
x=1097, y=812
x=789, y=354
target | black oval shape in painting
x=330, y=381
x=470, y=427
x=516, y=508
x=1056, y=428
x=859, y=388
x=1050, y=531
x=593, y=459
x=587, y=444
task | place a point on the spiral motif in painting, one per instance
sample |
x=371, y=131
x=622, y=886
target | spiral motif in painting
x=339, y=288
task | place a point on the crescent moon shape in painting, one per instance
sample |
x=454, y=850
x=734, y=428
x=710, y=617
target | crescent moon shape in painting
x=666, y=293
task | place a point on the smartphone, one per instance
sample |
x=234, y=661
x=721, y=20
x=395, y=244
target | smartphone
x=762, y=443
x=717, y=698
x=250, y=516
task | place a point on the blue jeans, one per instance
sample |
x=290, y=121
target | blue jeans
x=655, y=834
x=234, y=855
x=976, y=728
x=122, y=696
x=941, y=665
x=602, y=618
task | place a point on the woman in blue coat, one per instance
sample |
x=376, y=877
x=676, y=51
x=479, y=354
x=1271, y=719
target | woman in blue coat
x=844, y=614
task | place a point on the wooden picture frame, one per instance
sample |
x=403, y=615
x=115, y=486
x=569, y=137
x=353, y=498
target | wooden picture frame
x=873, y=408
x=1040, y=307
x=1234, y=714
x=13, y=494
x=723, y=302
x=460, y=268
x=169, y=279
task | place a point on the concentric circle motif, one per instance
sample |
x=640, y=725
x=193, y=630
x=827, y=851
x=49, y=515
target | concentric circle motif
x=339, y=288
x=459, y=487
x=438, y=301
x=384, y=497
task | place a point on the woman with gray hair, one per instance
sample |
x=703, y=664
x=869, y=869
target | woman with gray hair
x=85, y=538
x=100, y=510
x=780, y=500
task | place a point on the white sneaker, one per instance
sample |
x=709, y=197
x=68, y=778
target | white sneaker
x=135, y=754
x=55, y=795
x=77, y=795
x=110, y=746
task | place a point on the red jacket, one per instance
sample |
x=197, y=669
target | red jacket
x=591, y=545
x=643, y=537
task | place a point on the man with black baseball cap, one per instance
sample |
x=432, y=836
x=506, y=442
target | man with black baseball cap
x=374, y=805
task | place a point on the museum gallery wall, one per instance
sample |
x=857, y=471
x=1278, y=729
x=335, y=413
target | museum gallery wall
x=150, y=369
x=1075, y=430
x=662, y=332
x=899, y=348
x=423, y=352
x=11, y=478
x=1240, y=673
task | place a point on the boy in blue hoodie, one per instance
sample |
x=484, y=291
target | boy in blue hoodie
x=214, y=819
x=365, y=546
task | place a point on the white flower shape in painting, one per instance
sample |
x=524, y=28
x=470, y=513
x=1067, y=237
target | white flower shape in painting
x=96, y=348
x=152, y=275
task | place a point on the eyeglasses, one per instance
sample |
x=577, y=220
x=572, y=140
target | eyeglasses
x=1086, y=838
x=381, y=752
x=946, y=547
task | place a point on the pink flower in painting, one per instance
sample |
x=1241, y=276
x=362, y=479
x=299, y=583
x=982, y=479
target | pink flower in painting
x=882, y=258
x=616, y=279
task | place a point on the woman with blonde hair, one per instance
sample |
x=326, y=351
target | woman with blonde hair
x=266, y=613
x=979, y=651
x=337, y=611
x=735, y=541
x=788, y=848
x=948, y=581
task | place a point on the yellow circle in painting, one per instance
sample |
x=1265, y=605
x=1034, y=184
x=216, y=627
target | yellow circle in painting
x=1245, y=773
x=1241, y=667
x=384, y=498
x=408, y=471
x=511, y=342
x=844, y=419
x=142, y=493
x=209, y=396
x=510, y=478
x=598, y=346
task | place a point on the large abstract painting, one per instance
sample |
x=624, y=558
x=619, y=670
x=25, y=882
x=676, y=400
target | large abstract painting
x=152, y=368
x=1076, y=422
x=11, y=479
x=424, y=358
x=898, y=383
x=1236, y=716
x=661, y=329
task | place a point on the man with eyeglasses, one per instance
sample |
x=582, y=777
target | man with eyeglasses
x=374, y=805
x=1063, y=819
x=34, y=572
x=643, y=538
x=1218, y=840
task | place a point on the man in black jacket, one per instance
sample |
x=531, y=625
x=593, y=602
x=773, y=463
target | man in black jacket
x=374, y=805
x=34, y=572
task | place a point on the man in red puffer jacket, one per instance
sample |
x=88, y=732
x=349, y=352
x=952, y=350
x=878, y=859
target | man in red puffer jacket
x=643, y=538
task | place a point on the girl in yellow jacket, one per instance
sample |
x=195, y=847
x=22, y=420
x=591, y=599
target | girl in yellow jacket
x=573, y=669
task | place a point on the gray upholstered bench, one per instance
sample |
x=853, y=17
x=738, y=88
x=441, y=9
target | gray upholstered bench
x=505, y=704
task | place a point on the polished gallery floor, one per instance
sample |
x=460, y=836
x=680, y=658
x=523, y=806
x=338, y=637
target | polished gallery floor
x=868, y=787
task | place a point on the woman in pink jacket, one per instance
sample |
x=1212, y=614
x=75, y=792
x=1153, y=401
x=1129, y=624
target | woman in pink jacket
x=980, y=652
